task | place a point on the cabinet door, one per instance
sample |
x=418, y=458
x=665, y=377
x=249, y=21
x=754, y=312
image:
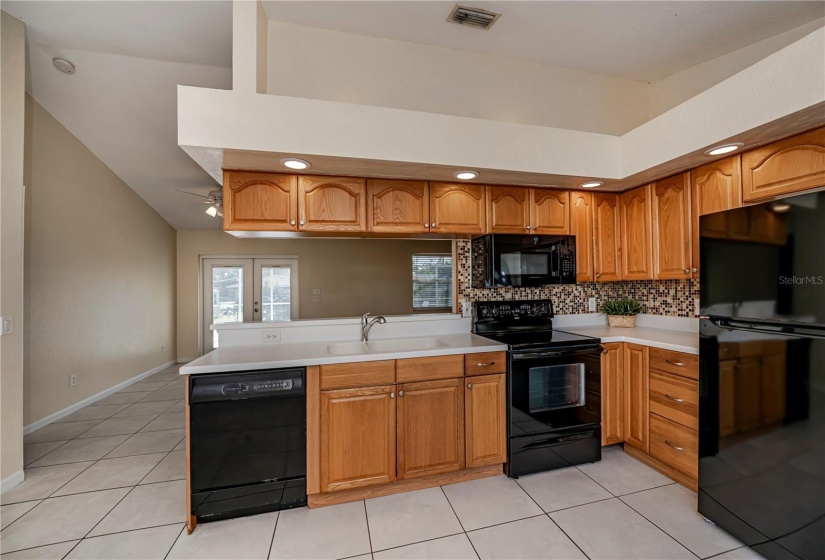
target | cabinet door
x=581, y=225
x=508, y=209
x=748, y=405
x=727, y=392
x=773, y=388
x=430, y=428
x=607, y=251
x=717, y=186
x=635, y=227
x=259, y=201
x=332, y=204
x=612, y=393
x=784, y=167
x=550, y=211
x=672, y=233
x=357, y=438
x=398, y=206
x=457, y=208
x=636, y=393
x=485, y=420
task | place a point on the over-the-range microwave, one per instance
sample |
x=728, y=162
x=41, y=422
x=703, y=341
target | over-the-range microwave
x=523, y=260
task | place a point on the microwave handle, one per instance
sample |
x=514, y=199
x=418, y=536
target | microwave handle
x=554, y=262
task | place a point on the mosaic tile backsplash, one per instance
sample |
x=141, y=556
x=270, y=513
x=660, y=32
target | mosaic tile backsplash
x=660, y=297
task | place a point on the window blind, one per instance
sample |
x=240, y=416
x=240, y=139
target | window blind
x=432, y=281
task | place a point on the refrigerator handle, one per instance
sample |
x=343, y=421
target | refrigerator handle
x=769, y=327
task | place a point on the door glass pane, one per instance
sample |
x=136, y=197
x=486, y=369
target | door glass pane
x=227, y=296
x=275, y=295
x=554, y=387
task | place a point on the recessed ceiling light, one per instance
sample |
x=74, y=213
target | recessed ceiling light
x=780, y=207
x=295, y=163
x=591, y=184
x=726, y=149
x=466, y=175
x=63, y=65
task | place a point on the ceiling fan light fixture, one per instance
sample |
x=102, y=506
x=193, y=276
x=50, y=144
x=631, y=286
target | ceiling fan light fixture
x=212, y=211
x=295, y=163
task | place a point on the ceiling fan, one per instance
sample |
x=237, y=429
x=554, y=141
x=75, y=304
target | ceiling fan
x=213, y=198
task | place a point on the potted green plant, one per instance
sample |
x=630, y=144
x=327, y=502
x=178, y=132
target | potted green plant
x=622, y=312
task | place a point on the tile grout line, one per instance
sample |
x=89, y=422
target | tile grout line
x=271, y=541
x=367, y=519
x=674, y=539
x=464, y=531
x=412, y=543
x=174, y=542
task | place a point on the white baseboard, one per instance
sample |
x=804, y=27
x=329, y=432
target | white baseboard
x=11, y=481
x=89, y=400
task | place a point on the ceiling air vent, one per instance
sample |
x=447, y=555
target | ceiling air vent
x=473, y=17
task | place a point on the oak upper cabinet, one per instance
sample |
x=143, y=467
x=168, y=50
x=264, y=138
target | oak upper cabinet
x=508, y=209
x=259, y=201
x=485, y=420
x=606, y=238
x=612, y=393
x=398, y=206
x=636, y=396
x=636, y=239
x=430, y=428
x=784, y=167
x=581, y=225
x=358, y=437
x=549, y=211
x=672, y=232
x=457, y=208
x=332, y=203
x=714, y=188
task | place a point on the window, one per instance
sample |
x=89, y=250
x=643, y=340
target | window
x=432, y=282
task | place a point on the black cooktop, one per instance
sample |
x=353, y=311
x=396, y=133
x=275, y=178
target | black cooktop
x=543, y=339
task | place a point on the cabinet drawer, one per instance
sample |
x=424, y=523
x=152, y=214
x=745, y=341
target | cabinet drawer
x=675, y=397
x=358, y=374
x=674, y=445
x=675, y=362
x=485, y=362
x=428, y=369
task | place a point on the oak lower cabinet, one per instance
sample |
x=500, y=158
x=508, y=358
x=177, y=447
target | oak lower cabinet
x=458, y=208
x=612, y=393
x=581, y=225
x=606, y=237
x=636, y=400
x=398, y=206
x=430, y=428
x=260, y=201
x=332, y=204
x=358, y=438
x=485, y=420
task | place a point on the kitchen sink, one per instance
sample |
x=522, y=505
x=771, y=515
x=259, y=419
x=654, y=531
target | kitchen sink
x=386, y=345
x=341, y=348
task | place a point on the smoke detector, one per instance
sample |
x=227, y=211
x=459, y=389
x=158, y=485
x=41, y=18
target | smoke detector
x=63, y=65
x=473, y=17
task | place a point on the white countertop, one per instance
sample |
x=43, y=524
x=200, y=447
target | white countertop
x=678, y=341
x=282, y=355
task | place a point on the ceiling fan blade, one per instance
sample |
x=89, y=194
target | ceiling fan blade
x=193, y=194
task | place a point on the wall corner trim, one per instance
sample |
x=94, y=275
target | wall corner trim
x=11, y=481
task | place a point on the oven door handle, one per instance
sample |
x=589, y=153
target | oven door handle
x=534, y=355
x=573, y=352
x=554, y=440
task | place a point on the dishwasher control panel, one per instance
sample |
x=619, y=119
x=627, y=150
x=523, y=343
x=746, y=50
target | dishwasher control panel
x=247, y=385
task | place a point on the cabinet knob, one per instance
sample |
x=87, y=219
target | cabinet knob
x=301, y=222
x=426, y=225
x=292, y=222
x=400, y=393
x=598, y=275
x=535, y=227
x=469, y=385
x=527, y=227
x=392, y=395
x=687, y=271
x=694, y=270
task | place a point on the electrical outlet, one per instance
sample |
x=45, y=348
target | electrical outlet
x=466, y=309
x=271, y=336
x=591, y=305
x=8, y=324
x=316, y=299
x=163, y=349
x=73, y=380
x=316, y=291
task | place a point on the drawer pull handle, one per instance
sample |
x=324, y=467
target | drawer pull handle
x=485, y=364
x=674, y=398
x=676, y=447
x=671, y=362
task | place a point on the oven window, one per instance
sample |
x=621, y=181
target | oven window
x=513, y=264
x=554, y=387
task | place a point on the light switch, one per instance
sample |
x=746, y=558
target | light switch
x=8, y=324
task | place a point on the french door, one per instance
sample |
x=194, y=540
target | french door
x=247, y=289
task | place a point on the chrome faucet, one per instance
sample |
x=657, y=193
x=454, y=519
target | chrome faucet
x=367, y=323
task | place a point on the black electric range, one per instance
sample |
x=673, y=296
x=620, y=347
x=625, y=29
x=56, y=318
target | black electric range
x=553, y=386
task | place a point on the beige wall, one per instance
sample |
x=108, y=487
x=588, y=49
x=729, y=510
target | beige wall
x=100, y=273
x=12, y=88
x=354, y=275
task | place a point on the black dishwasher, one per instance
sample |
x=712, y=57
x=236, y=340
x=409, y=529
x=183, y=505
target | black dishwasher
x=247, y=443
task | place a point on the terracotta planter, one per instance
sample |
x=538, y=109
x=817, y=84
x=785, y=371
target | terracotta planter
x=628, y=321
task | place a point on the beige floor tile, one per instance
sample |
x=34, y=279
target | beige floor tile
x=42, y=482
x=245, y=538
x=456, y=547
x=49, y=552
x=562, y=488
x=164, y=377
x=124, y=398
x=59, y=519
x=317, y=534
x=411, y=517
x=144, y=386
x=164, y=395
x=166, y=421
x=145, y=409
x=610, y=529
x=743, y=553
x=112, y=473
x=172, y=467
x=176, y=384
x=527, y=539
x=149, y=442
x=33, y=451
x=146, y=506
x=179, y=406
x=619, y=473
x=181, y=446
x=60, y=432
x=77, y=450
x=673, y=510
x=125, y=425
x=13, y=512
x=490, y=501
x=143, y=544
x=98, y=412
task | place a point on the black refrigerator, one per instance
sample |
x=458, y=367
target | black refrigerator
x=762, y=375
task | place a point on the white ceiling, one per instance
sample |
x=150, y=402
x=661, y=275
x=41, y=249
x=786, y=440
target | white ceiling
x=643, y=41
x=122, y=100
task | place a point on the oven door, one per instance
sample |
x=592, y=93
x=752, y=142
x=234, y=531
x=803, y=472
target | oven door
x=552, y=391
